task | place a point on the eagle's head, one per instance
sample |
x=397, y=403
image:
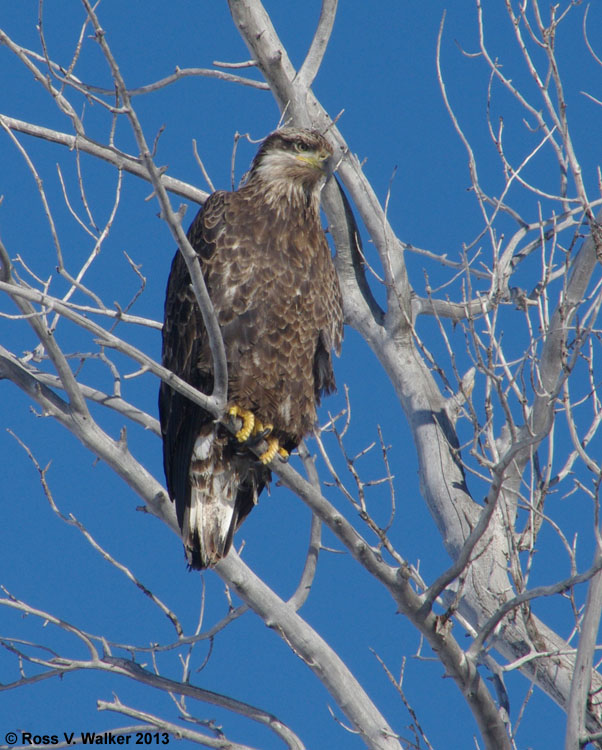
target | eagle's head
x=292, y=159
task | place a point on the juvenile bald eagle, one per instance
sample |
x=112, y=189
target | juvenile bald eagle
x=270, y=276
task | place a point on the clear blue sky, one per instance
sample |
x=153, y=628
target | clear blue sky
x=380, y=68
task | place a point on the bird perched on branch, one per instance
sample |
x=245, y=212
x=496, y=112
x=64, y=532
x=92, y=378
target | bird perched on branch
x=270, y=276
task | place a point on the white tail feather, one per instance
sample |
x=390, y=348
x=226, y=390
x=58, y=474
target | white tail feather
x=211, y=518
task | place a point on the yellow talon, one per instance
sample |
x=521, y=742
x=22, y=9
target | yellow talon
x=253, y=427
x=273, y=448
x=248, y=422
x=262, y=429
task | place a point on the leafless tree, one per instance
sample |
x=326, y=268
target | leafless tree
x=517, y=426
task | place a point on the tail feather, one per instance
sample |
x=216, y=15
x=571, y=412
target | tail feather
x=211, y=516
x=223, y=487
x=208, y=530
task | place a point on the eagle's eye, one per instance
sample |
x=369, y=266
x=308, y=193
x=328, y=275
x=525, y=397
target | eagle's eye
x=301, y=146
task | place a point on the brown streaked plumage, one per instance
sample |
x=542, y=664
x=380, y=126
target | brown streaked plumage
x=270, y=276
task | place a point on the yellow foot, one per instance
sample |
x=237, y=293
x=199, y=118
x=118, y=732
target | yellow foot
x=268, y=455
x=274, y=448
x=253, y=430
x=248, y=422
x=261, y=430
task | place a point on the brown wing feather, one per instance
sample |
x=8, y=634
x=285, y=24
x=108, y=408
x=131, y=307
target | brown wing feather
x=218, y=473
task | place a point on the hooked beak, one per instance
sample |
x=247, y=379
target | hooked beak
x=317, y=161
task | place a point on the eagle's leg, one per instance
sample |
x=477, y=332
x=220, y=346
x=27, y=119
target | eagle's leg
x=248, y=422
x=263, y=431
x=253, y=430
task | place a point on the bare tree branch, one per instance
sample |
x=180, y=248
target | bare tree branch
x=313, y=650
x=521, y=424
